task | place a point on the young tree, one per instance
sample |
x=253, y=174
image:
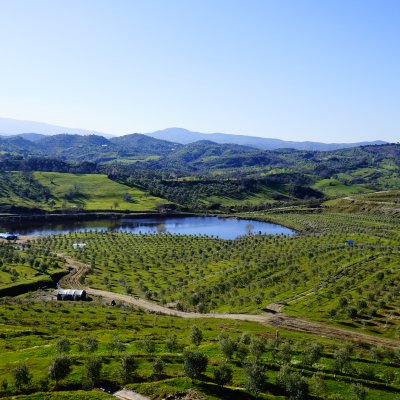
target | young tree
x=59, y=368
x=242, y=351
x=90, y=344
x=293, y=383
x=245, y=338
x=149, y=344
x=285, y=354
x=358, y=391
x=158, y=366
x=171, y=343
x=196, y=335
x=223, y=374
x=342, y=359
x=93, y=368
x=255, y=376
x=127, y=366
x=227, y=346
x=63, y=345
x=256, y=347
x=21, y=376
x=388, y=376
x=194, y=363
x=313, y=353
x=318, y=385
x=4, y=385
x=115, y=344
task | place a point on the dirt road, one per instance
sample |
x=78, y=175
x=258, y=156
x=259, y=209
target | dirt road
x=274, y=318
x=126, y=394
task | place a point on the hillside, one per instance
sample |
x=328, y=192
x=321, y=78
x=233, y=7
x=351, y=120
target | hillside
x=206, y=175
x=49, y=191
x=141, y=145
x=383, y=202
x=93, y=192
x=76, y=147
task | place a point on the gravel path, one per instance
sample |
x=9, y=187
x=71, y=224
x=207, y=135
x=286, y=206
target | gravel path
x=126, y=394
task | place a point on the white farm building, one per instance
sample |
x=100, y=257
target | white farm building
x=71, y=294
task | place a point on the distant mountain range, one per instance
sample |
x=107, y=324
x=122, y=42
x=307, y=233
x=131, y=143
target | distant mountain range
x=9, y=127
x=184, y=136
x=34, y=132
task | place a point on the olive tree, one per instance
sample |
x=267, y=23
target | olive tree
x=59, y=368
x=63, y=345
x=293, y=383
x=127, y=366
x=223, y=374
x=255, y=376
x=196, y=335
x=313, y=353
x=93, y=368
x=21, y=375
x=194, y=363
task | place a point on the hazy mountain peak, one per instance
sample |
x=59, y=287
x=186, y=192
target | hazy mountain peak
x=185, y=136
x=10, y=127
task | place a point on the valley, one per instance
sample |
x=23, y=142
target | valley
x=310, y=310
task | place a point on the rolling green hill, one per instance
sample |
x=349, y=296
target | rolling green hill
x=141, y=145
x=203, y=175
x=48, y=191
x=93, y=192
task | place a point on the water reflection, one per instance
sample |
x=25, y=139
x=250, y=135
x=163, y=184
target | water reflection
x=225, y=228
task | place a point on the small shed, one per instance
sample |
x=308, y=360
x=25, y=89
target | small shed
x=71, y=294
x=79, y=245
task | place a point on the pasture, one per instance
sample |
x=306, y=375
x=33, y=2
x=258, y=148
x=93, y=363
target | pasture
x=93, y=192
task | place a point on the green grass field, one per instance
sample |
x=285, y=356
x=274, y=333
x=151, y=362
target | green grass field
x=385, y=202
x=335, y=188
x=94, y=192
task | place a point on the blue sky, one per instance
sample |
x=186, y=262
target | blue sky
x=296, y=70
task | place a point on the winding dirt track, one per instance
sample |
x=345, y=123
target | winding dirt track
x=275, y=318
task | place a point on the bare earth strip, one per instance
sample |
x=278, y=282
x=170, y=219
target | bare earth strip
x=276, y=318
x=125, y=394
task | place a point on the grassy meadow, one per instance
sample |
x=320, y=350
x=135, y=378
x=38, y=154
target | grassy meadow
x=94, y=192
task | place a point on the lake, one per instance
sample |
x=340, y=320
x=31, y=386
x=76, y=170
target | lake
x=224, y=228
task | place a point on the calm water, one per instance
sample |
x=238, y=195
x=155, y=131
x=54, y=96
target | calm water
x=225, y=228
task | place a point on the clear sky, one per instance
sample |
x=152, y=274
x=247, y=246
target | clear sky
x=326, y=70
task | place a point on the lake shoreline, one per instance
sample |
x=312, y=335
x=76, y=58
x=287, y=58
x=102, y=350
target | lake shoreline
x=217, y=226
x=54, y=217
